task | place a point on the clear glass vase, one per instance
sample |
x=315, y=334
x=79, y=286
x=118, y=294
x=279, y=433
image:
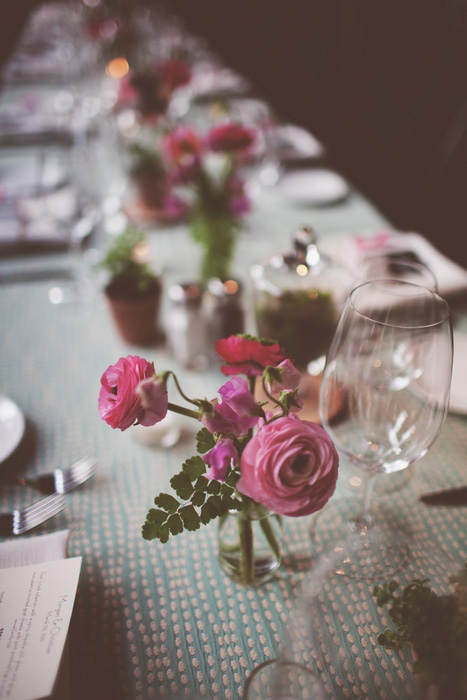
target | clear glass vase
x=249, y=544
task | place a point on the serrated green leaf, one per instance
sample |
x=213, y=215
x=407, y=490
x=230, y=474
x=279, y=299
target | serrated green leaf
x=151, y=530
x=156, y=515
x=208, y=513
x=194, y=467
x=175, y=524
x=190, y=517
x=214, y=487
x=204, y=441
x=232, y=478
x=198, y=498
x=164, y=533
x=181, y=483
x=167, y=502
x=201, y=483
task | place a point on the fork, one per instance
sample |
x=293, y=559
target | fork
x=59, y=481
x=20, y=521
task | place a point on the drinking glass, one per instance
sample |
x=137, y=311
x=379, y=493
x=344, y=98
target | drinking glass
x=389, y=366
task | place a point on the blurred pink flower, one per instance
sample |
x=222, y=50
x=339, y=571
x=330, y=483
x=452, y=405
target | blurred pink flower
x=247, y=355
x=239, y=203
x=181, y=150
x=174, y=73
x=230, y=138
x=290, y=466
x=119, y=403
x=222, y=455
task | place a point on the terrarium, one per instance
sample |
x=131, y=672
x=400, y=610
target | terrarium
x=298, y=296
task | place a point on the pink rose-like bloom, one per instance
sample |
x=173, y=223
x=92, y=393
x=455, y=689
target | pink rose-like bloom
x=154, y=400
x=120, y=404
x=230, y=138
x=181, y=149
x=237, y=413
x=248, y=356
x=290, y=466
x=220, y=458
x=127, y=92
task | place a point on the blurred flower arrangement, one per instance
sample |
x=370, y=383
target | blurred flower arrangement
x=149, y=91
x=250, y=460
x=209, y=166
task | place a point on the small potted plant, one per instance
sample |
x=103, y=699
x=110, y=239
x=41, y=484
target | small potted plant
x=435, y=628
x=133, y=290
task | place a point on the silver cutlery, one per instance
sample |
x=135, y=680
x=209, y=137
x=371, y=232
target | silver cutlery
x=20, y=521
x=450, y=497
x=59, y=481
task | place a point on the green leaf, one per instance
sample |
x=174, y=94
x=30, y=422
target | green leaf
x=175, y=524
x=182, y=485
x=151, y=530
x=198, y=498
x=204, y=441
x=156, y=515
x=167, y=502
x=201, y=484
x=214, y=487
x=164, y=533
x=226, y=490
x=232, y=478
x=194, y=467
x=208, y=512
x=190, y=517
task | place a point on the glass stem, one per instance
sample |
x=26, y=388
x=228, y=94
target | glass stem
x=365, y=516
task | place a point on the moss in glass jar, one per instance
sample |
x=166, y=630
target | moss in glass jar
x=302, y=321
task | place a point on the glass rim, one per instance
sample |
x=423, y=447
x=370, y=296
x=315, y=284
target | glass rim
x=401, y=283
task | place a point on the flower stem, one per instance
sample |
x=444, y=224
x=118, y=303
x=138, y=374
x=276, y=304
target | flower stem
x=182, y=394
x=183, y=411
x=270, y=536
x=245, y=531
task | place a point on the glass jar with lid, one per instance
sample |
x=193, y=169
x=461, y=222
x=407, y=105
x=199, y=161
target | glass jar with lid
x=298, y=296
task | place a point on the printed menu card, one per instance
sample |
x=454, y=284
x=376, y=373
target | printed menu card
x=36, y=603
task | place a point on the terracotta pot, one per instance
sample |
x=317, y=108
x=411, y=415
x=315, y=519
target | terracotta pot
x=151, y=189
x=137, y=319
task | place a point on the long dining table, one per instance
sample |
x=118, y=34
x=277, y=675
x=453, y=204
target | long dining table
x=156, y=620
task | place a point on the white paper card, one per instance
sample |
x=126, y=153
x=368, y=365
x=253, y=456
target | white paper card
x=36, y=603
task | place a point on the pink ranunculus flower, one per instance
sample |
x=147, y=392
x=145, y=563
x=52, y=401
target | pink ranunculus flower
x=154, y=400
x=119, y=403
x=174, y=73
x=248, y=355
x=290, y=377
x=237, y=413
x=290, y=466
x=231, y=138
x=220, y=458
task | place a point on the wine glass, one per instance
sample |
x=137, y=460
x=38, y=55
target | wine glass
x=389, y=365
x=399, y=266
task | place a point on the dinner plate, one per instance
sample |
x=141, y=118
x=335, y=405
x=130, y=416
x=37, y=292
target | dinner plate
x=294, y=142
x=458, y=402
x=314, y=186
x=12, y=425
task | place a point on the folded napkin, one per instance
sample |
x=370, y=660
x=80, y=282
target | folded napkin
x=351, y=250
x=35, y=550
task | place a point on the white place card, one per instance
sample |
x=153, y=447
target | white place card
x=36, y=603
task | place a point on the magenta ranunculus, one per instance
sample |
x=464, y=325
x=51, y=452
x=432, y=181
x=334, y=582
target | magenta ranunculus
x=237, y=413
x=154, y=400
x=220, y=458
x=248, y=355
x=290, y=466
x=119, y=403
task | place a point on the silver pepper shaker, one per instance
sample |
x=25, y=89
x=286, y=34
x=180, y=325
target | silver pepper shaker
x=187, y=326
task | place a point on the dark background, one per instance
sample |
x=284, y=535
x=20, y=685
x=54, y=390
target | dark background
x=382, y=84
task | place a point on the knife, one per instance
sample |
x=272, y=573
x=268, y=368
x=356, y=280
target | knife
x=451, y=497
